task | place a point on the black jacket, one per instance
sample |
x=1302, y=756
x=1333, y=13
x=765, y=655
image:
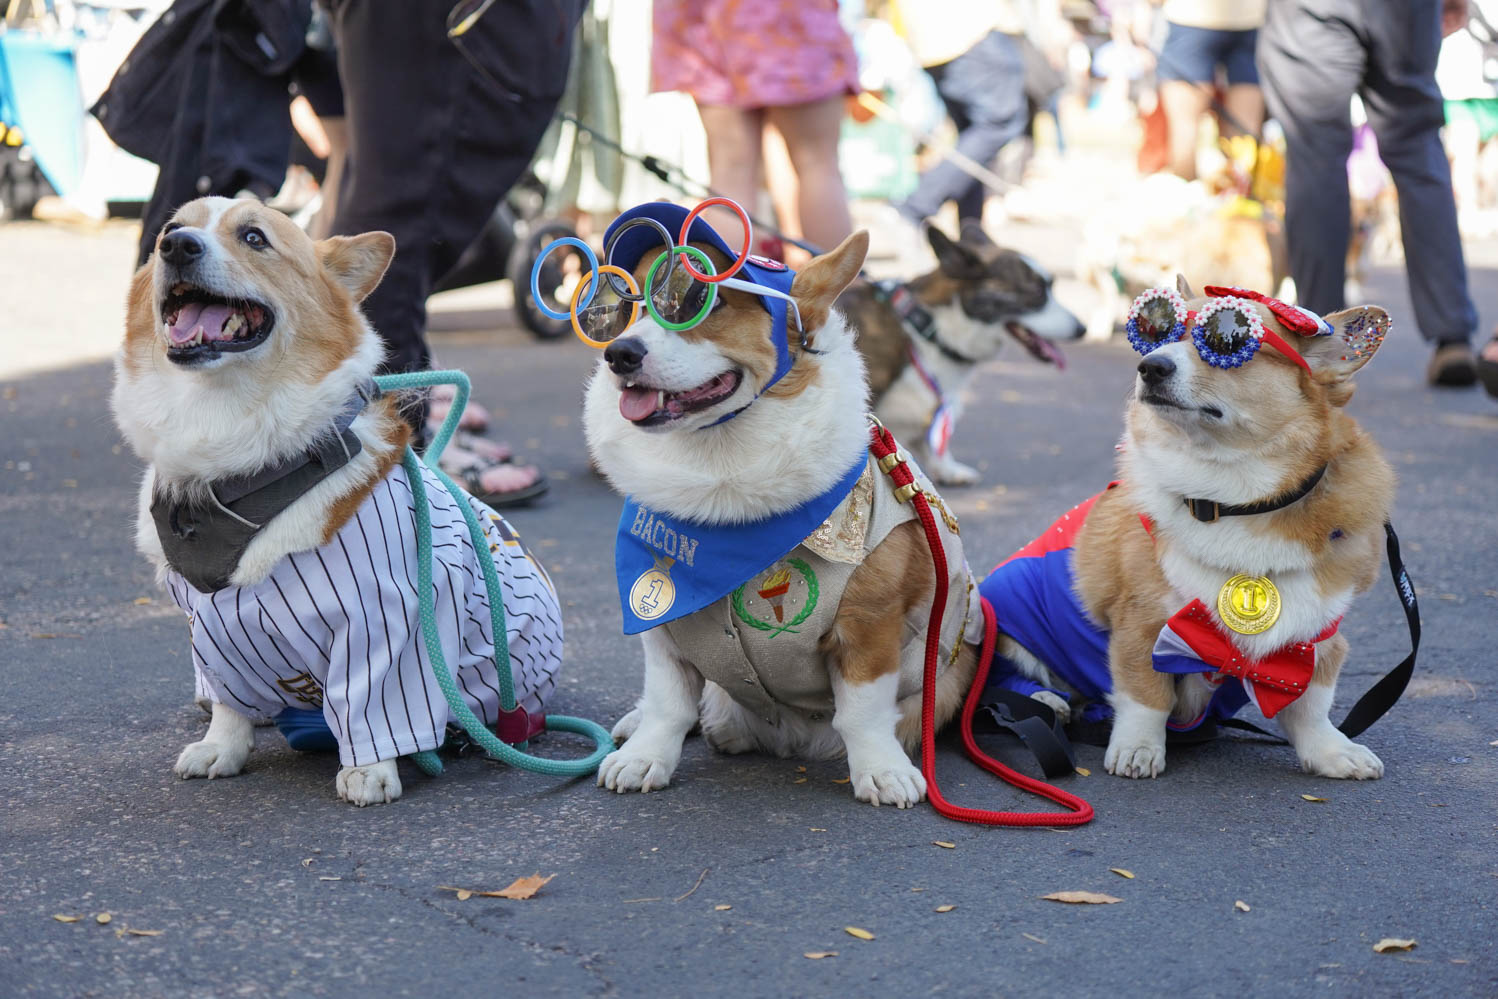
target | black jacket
x=203, y=95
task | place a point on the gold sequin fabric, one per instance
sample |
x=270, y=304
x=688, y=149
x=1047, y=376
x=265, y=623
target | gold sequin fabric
x=841, y=536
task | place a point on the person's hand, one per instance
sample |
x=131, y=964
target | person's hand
x=1453, y=16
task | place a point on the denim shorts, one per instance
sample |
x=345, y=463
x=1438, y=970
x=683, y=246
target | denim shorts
x=1193, y=54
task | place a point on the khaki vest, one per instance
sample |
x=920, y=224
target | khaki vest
x=759, y=643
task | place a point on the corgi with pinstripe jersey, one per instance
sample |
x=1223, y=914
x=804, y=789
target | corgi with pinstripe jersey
x=278, y=515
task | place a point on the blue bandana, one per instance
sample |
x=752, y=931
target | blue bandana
x=669, y=567
x=638, y=241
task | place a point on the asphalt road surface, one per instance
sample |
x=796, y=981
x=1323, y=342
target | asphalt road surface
x=267, y=884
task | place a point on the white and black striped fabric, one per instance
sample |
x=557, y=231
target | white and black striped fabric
x=337, y=627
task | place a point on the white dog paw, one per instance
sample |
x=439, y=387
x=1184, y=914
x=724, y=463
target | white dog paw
x=211, y=759
x=635, y=769
x=897, y=783
x=625, y=727
x=376, y=784
x=1056, y=703
x=1344, y=759
x=1140, y=759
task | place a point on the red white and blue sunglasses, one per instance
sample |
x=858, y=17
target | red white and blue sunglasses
x=1227, y=331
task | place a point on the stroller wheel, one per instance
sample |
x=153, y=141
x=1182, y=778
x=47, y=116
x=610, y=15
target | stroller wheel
x=556, y=278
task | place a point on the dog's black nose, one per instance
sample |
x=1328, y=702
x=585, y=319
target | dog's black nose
x=625, y=355
x=1154, y=369
x=181, y=247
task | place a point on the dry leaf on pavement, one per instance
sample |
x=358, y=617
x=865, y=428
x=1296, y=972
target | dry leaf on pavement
x=519, y=888
x=66, y=919
x=1083, y=772
x=944, y=908
x=817, y=955
x=1312, y=797
x=841, y=780
x=854, y=931
x=1082, y=897
x=1241, y=905
x=1388, y=944
x=103, y=918
x=944, y=844
x=722, y=908
x=1122, y=872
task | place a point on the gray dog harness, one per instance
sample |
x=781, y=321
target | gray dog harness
x=204, y=537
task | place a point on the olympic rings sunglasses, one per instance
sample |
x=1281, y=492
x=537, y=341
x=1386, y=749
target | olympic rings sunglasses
x=676, y=295
x=1227, y=332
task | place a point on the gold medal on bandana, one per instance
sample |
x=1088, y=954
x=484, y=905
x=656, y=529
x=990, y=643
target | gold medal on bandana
x=653, y=592
x=1248, y=604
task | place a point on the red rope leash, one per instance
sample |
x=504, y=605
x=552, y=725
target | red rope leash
x=882, y=445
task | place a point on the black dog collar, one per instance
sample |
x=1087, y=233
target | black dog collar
x=204, y=539
x=1208, y=511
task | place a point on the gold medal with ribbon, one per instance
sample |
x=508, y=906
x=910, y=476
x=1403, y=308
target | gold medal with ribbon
x=1248, y=604
x=653, y=592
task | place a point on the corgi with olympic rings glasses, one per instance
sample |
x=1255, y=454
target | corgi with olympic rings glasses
x=781, y=589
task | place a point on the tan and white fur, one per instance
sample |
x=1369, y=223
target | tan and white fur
x=243, y=411
x=789, y=445
x=1236, y=436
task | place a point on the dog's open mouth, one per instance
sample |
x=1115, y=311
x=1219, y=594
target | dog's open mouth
x=650, y=407
x=1039, y=347
x=201, y=326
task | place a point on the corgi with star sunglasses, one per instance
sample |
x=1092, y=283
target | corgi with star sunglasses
x=1227, y=332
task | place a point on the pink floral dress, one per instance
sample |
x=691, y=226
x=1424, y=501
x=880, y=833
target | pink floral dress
x=752, y=53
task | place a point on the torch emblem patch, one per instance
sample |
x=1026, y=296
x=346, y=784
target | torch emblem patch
x=780, y=599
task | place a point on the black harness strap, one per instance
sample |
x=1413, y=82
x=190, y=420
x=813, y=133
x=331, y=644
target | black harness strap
x=1035, y=723
x=915, y=318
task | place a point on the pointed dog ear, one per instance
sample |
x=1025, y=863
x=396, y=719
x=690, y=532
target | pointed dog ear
x=357, y=262
x=1357, y=334
x=955, y=259
x=818, y=284
x=1184, y=288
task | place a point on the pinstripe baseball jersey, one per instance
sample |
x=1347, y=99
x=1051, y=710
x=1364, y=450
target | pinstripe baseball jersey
x=337, y=627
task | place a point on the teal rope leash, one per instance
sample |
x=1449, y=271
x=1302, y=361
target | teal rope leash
x=472, y=724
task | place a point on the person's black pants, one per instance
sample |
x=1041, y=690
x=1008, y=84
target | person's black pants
x=434, y=144
x=1313, y=56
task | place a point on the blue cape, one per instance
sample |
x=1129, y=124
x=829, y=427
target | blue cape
x=669, y=567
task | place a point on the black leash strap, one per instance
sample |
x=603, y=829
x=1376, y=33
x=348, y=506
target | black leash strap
x=1036, y=725
x=1381, y=696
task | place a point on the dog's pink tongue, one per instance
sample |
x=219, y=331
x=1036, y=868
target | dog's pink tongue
x=637, y=403
x=210, y=317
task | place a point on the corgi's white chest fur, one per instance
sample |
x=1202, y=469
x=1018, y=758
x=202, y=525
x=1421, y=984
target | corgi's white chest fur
x=1197, y=559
